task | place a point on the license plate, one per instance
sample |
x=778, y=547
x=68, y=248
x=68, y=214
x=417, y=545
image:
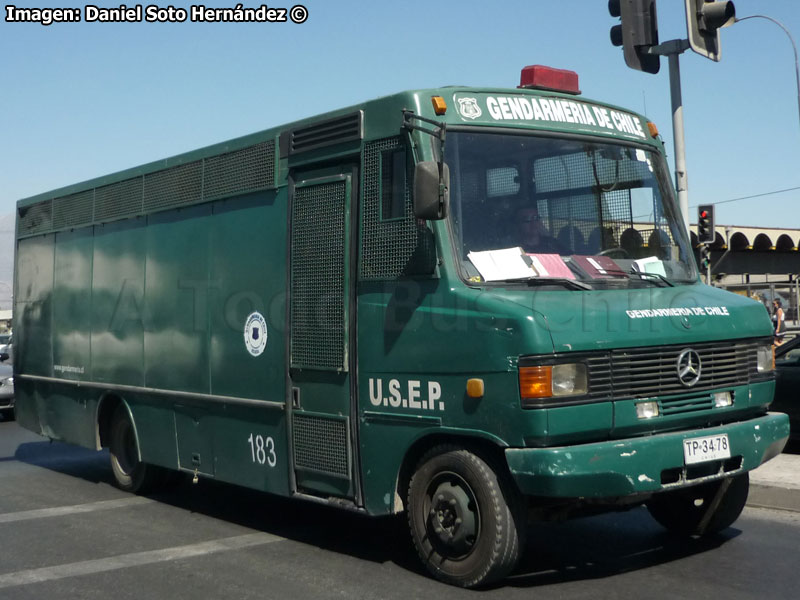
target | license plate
x=713, y=447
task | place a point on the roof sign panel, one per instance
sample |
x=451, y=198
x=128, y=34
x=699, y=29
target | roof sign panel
x=549, y=112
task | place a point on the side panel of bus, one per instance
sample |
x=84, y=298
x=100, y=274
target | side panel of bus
x=160, y=302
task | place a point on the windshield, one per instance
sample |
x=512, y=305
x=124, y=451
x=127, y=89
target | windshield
x=534, y=207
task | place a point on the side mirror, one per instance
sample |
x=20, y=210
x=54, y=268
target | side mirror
x=431, y=193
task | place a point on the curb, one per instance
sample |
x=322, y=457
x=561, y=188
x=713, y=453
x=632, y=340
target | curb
x=776, y=484
x=773, y=497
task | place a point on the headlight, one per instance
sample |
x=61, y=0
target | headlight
x=569, y=380
x=550, y=381
x=765, y=358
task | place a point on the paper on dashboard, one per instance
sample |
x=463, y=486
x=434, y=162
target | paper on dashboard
x=507, y=263
x=651, y=264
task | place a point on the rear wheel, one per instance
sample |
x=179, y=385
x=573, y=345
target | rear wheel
x=130, y=473
x=703, y=509
x=8, y=414
x=467, y=519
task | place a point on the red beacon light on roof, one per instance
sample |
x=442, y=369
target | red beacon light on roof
x=539, y=77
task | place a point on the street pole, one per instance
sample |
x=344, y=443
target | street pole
x=681, y=179
x=794, y=47
x=673, y=49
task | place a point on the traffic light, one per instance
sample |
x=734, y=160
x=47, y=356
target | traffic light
x=705, y=223
x=704, y=18
x=636, y=33
x=705, y=257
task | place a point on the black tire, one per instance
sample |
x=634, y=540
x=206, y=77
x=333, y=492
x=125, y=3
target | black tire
x=130, y=474
x=8, y=414
x=467, y=519
x=682, y=511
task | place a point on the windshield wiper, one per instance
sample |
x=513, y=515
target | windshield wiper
x=657, y=277
x=572, y=284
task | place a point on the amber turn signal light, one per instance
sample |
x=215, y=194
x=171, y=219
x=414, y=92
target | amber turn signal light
x=536, y=382
x=475, y=388
x=439, y=105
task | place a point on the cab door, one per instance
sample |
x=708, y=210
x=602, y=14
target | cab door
x=321, y=361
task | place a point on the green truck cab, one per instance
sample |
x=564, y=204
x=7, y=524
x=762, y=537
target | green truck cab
x=472, y=305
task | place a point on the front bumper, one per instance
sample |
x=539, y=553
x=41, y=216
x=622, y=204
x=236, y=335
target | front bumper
x=643, y=464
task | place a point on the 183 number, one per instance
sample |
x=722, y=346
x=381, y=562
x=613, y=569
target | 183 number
x=262, y=450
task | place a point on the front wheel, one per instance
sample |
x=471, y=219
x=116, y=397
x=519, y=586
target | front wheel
x=702, y=509
x=130, y=473
x=467, y=519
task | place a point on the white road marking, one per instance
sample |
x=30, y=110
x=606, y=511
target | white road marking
x=60, y=511
x=136, y=559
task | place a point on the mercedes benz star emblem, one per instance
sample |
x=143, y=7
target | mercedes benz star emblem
x=689, y=367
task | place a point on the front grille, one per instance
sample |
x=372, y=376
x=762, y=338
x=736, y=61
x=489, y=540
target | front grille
x=685, y=405
x=651, y=372
x=646, y=372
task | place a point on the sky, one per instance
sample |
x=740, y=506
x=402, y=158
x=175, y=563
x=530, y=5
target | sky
x=80, y=100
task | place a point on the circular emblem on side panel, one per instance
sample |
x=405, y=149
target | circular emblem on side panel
x=255, y=334
x=689, y=367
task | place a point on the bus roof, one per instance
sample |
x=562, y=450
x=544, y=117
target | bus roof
x=210, y=171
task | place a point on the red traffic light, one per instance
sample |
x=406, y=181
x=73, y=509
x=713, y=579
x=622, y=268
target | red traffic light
x=705, y=224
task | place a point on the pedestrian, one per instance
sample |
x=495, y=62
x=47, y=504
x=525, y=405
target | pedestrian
x=778, y=321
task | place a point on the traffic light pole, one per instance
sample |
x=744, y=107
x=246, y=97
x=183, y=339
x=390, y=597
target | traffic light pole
x=794, y=48
x=672, y=50
x=637, y=33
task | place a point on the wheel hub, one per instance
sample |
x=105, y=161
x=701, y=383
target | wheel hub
x=452, y=517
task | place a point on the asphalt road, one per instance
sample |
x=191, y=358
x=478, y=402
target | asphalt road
x=67, y=533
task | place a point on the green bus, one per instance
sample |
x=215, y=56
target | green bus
x=475, y=306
